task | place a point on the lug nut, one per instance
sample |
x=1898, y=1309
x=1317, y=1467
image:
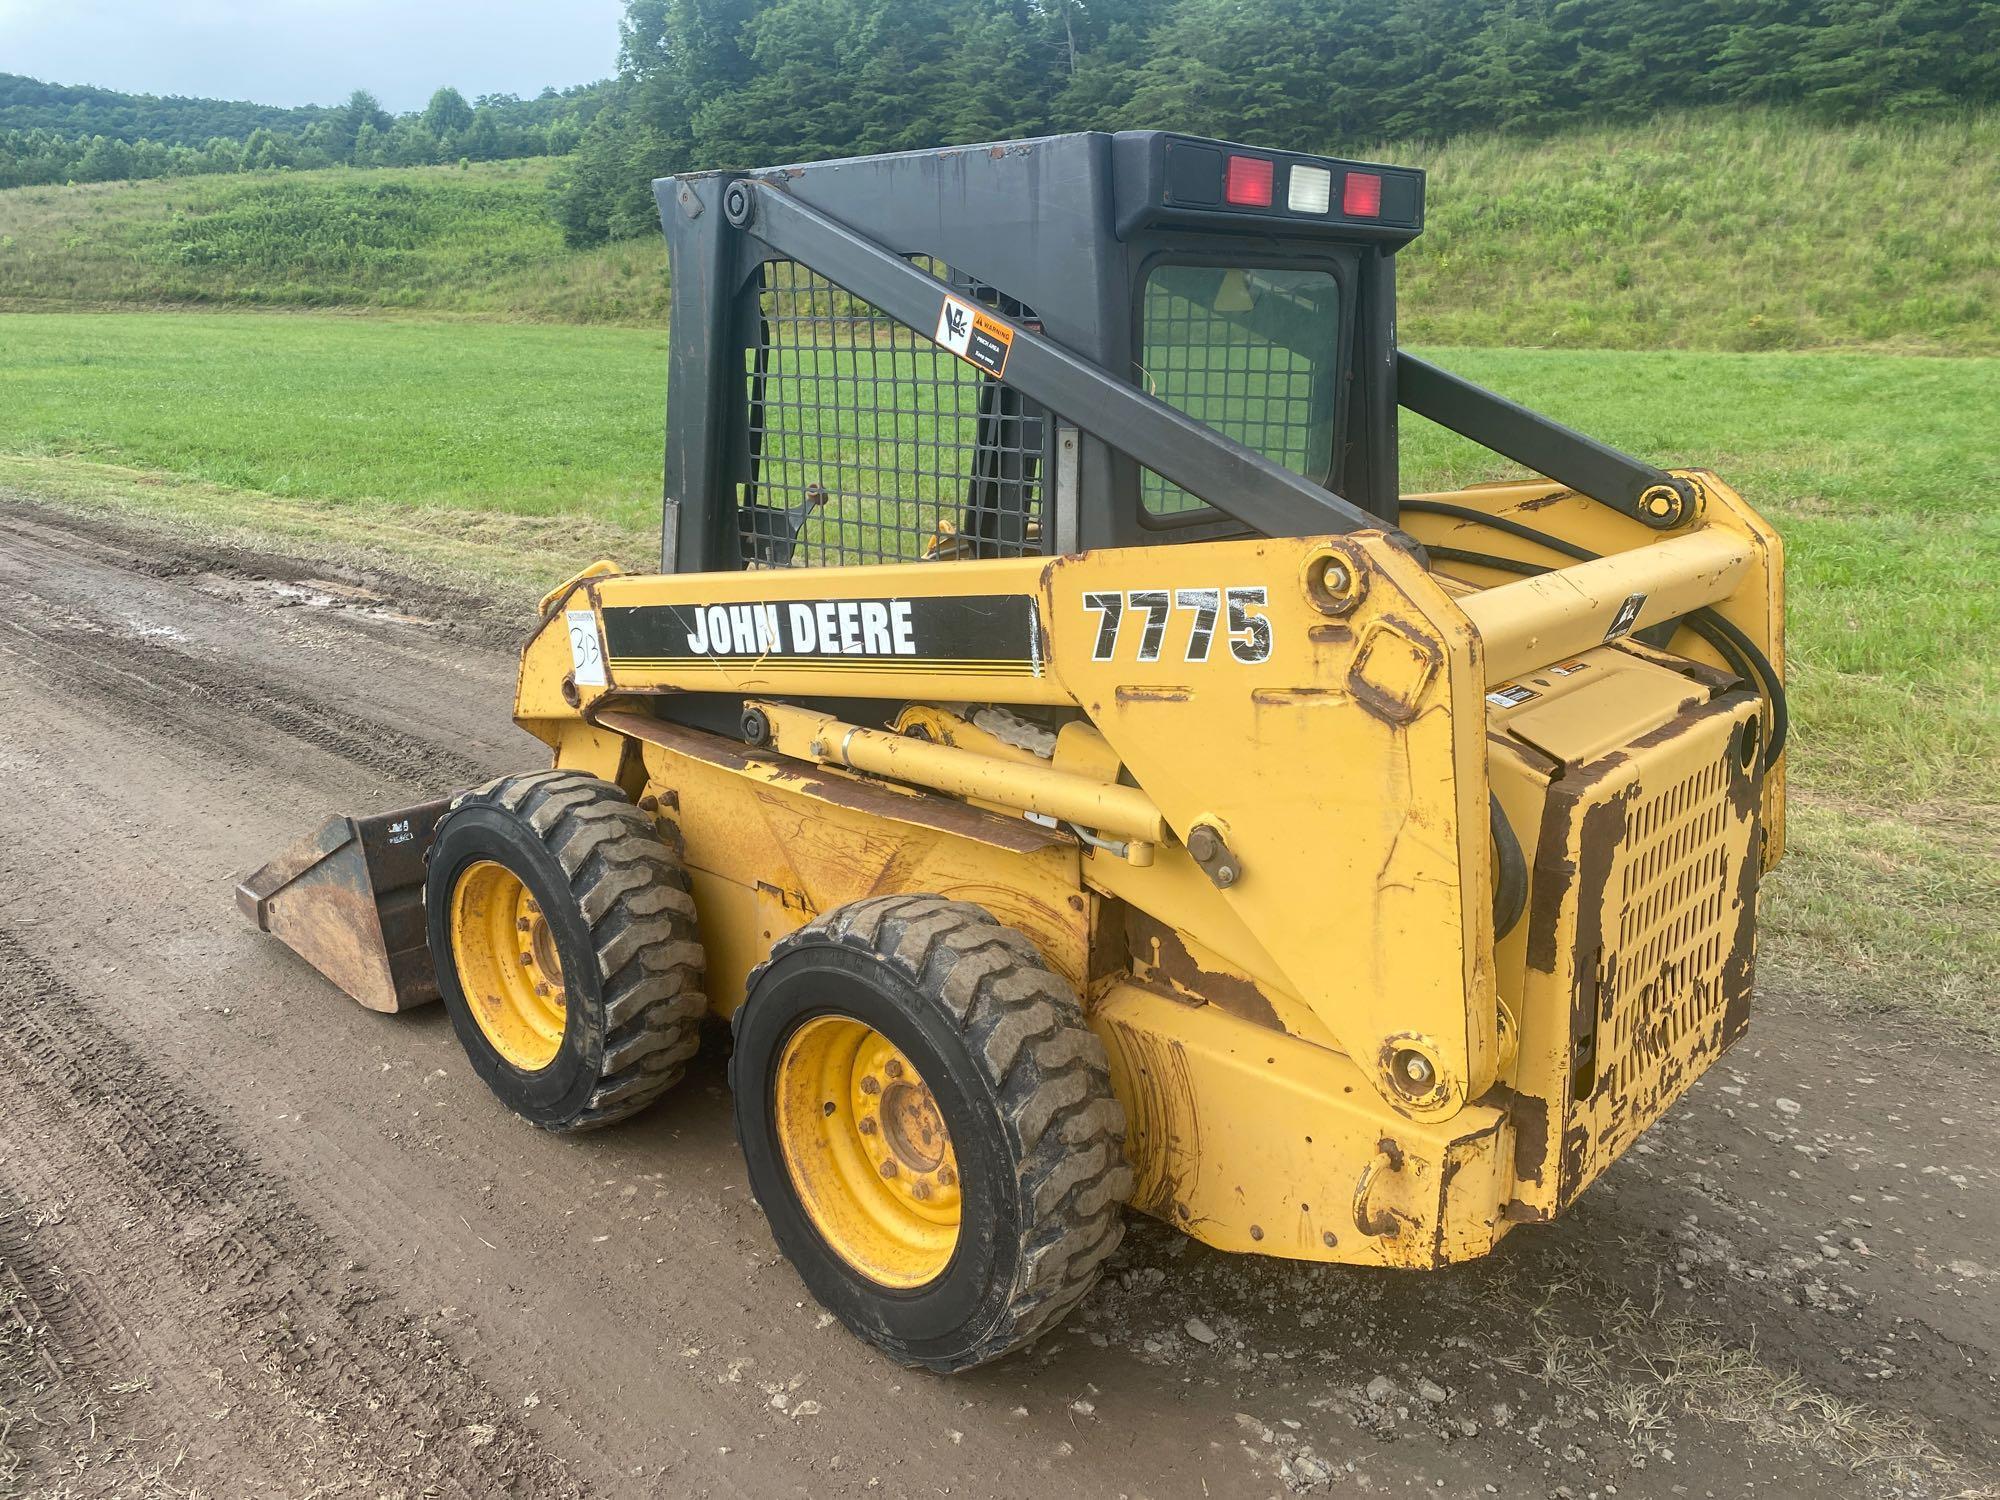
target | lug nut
x=542, y=990
x=920, y=1190
x=527, y=960
x=888, y=1169
x=946, y=1177
x=866, y=1127
x=893, y=1068
x=522, y=924
x=871, y=1085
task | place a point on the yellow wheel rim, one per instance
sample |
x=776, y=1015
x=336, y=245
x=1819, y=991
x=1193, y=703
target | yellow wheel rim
x=507, y=965
x=868, y=1151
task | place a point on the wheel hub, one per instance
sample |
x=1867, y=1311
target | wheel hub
x=508, y=966
x=868, y=1151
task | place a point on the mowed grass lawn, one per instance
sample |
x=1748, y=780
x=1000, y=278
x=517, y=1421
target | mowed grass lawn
x=1880, y=470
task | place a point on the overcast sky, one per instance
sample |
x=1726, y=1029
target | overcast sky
x=311, y=51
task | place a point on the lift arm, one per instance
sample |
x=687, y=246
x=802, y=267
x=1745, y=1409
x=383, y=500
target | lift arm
x=1636, y=489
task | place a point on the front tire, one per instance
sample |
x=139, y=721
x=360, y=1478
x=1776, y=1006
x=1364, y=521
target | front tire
x=928, y=1123
x=564, y=940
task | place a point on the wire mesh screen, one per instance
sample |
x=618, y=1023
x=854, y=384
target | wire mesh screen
x=1252, y=354
x=870, y=444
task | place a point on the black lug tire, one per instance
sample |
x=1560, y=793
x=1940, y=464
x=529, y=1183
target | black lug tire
x=1025, y=1091
x=616, y=899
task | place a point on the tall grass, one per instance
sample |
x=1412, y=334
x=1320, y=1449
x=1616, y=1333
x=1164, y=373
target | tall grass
x=1737, y=230
x=476, y=240
x=1724, y=230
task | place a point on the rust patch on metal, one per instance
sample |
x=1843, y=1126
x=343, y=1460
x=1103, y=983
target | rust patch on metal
x=1334, y=633
x=1554, y=874
x=1288, y=697
x=1110, y=951
x=1543, y=502
x=1153, y=694
x=1393, y=708
x=1530, y=1118
x=1739, y=968
x=1169, y=959
x=1575, y=1157
x=1599, y=838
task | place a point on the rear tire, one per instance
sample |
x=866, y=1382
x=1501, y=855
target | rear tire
x=901, y=991
x=557, y=871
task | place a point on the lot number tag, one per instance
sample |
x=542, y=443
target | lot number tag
x=586, y=654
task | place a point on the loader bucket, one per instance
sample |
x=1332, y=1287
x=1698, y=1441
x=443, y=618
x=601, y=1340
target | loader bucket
x=349, y=899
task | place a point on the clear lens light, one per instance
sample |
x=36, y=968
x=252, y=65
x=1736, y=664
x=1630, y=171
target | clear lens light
x=1310, y=190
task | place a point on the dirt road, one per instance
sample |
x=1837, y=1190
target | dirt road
x=256, y=1241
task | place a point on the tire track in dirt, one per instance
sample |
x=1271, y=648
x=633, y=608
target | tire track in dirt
x=163, y=556
x=148, y=681
x=284, y=1355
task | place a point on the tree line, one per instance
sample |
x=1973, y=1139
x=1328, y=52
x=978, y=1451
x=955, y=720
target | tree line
x=173, y=120
x=738, y=83
x=51, y=134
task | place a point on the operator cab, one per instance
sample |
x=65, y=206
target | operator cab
x=1252, y=290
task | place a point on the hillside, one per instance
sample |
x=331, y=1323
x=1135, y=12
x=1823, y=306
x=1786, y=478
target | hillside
x=1720, y=230
x=474, y=240
x=81, y=110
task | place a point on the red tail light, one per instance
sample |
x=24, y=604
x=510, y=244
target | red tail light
x=1248, y=184
x=1361, y=198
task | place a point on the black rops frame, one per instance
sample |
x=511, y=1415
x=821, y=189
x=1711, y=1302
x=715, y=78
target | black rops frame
x=1063, y=224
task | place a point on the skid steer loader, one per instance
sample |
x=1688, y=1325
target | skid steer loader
x=1079, y=775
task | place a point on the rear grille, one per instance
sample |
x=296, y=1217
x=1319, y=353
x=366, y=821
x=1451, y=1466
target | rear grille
x=1658, y=967
x=1674, y=923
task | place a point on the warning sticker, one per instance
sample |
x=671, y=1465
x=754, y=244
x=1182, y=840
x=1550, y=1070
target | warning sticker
x=973, y=336
x=1627, y=616
x=1567, y=668
x=1510, y=696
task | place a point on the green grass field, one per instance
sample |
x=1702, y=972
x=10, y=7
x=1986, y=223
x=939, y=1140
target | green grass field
x=514, y=452
x=1733, y=230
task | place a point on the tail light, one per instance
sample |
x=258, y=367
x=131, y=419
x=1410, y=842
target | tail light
x=1361, y=197
x=1248, y=183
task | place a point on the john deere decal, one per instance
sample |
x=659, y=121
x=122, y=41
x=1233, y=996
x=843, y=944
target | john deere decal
x=995, y=634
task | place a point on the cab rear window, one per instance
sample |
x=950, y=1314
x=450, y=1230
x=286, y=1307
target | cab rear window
x=1251, y=351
